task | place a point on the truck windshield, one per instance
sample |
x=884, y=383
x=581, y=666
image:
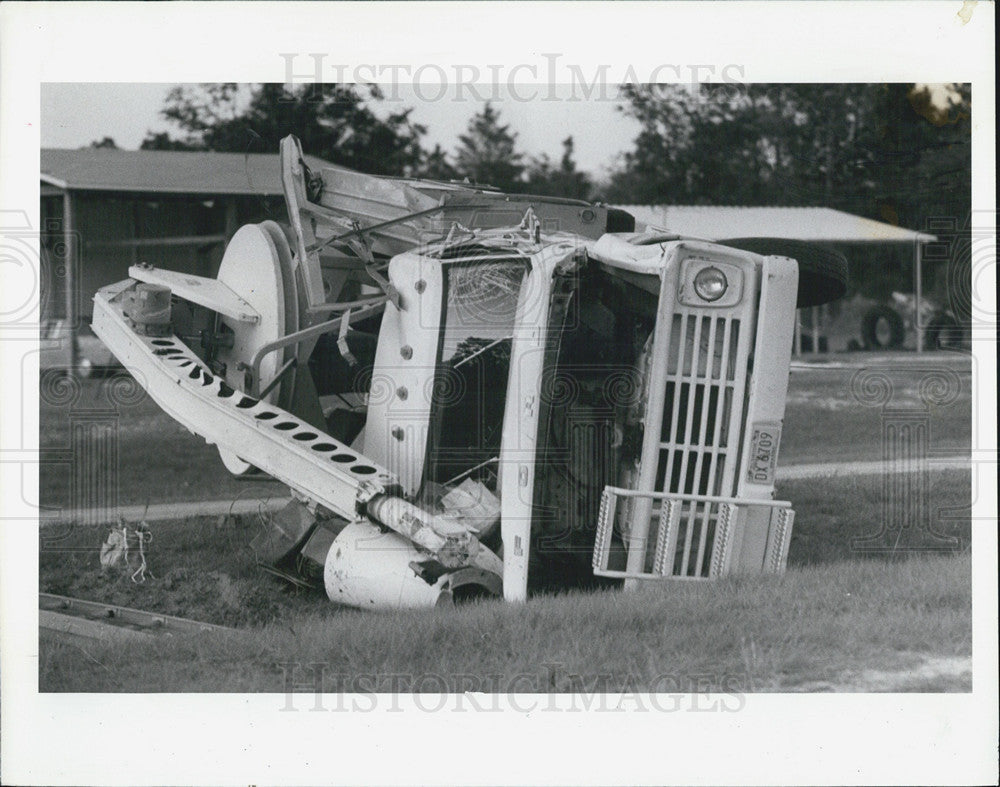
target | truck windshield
x=473, y=364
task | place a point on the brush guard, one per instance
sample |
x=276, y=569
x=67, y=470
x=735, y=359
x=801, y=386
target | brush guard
x=697, y=536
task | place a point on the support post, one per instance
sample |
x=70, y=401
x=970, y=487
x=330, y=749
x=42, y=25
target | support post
x=231, y=225
x=918, y=293
x=70, y=263
x=133, y=206
x=814, y=323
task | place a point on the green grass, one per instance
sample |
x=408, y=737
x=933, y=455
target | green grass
x=160, y=461
x=836, y=613
x=736, y=635
x=830, y=615
x=826, y=419
x=830, y=513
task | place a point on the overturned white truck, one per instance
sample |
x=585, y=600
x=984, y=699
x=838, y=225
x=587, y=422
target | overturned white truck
x=474, y=393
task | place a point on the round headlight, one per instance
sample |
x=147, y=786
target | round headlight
x=710, y=284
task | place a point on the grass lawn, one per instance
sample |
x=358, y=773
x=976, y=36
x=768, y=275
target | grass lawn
x=837, y=613
x=833, y=615
x=160, y=461
x=827, y=419
x=811, y=627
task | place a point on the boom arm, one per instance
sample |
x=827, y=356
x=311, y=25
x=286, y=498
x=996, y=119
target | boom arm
x=315, y=466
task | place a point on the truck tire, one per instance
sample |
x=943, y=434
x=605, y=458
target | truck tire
x=882, y=329
x=822, y=271
x=944, y=332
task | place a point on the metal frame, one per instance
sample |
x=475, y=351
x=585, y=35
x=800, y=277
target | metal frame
x=181, y=384
x=721, y=559
x=365, y=308
x=667, y=349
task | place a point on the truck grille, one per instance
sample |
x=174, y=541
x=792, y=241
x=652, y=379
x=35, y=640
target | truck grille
x=698, y=443
x=699, y=439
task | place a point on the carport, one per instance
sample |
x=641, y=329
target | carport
x=107, y=209
x=818, y=225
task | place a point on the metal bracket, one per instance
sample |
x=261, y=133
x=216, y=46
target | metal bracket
x=364, y=308
x=345, y=351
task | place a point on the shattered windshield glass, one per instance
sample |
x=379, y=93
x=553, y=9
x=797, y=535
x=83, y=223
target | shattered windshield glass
x=470, y=383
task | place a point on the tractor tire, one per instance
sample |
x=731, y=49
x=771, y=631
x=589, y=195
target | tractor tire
x=882, y=329
x=944, y=333
x=822, y=271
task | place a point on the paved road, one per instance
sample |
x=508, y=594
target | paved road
x=959, y=361
x=829, y=469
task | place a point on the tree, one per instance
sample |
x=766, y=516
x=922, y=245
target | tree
x=854, y=147
x=562, y=181
x=335, y=122
x=435, y=165
x=104, y=142
x=920, y=152
x=712, y=145
x=487, y=154
x=656, y=169
x=163, y=141
x=897, y=153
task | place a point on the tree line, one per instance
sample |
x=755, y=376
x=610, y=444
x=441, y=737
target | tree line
x=899, y=153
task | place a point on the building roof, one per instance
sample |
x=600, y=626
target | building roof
x=808, y=224
x=165, y=171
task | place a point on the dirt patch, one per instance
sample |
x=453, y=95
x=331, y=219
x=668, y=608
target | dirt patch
x=213, y=596
x=929, y=673
x=200, y=569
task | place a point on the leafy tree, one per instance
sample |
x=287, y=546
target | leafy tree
x=435, y=165
x=563, y=181
x=487, y=152
x=714, y=145
x=898, y=153
x=104, y=142
x=163, y=141
x=656, y=170
x=859, y=148
x=921, y=153
x=334, y=122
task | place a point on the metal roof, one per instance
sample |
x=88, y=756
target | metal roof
x=808, y=224
x=166, y=171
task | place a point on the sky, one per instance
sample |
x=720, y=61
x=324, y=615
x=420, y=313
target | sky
x=75, y=114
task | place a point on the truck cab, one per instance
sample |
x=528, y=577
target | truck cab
x=462, y=404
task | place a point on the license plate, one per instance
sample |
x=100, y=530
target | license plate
x=763, y=453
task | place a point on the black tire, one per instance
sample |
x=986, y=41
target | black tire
x=882, y=329
x=944, y=332
x=822, y=270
